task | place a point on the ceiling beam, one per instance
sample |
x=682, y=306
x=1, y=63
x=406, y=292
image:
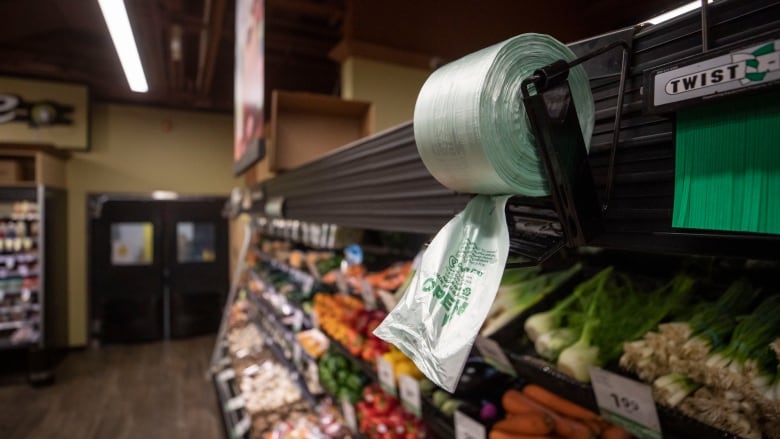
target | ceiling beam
x=214, y=17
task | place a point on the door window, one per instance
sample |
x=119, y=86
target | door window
x=195, y=242
x=132, y=243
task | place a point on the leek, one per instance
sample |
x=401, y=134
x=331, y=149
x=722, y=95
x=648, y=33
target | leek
x=520, y=289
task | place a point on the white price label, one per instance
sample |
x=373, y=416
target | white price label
x=297, y=320
x=348, y=410
x=467, y=428
x=410, y=394
x=315, y=322
x=386, y=376
x=494, y=355
x=227, y=374
x=235, y=403
x=367, y=292
x=242, y=427
x=24, y=271
x=308, y=284
x=627, y=403
x=297, y=354
x=341, y=283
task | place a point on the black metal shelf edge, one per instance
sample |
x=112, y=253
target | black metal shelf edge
x=230, y=418
x=674, y=424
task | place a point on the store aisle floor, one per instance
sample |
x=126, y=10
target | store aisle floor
x=155, y=390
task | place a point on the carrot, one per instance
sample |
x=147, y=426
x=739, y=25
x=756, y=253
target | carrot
x=615, y=432
x=515, y=403
x=530, y=423
x=567, y=428
x=596, y=425
x=558, y=404
x=495, y=434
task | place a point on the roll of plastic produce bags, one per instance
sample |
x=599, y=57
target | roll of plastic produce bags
x=470, y=123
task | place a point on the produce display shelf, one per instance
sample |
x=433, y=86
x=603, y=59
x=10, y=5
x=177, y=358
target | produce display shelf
x=269, y=315
x=17, y=274
x=297, y=375
x=20, y=291
x=364, y=367
x=230, y=418
x=19, y=257
x=674, y=424
x=307, y=280
x=305, y=317
x=337, y=403
x=17, y=308
x=441, y=425
x=16, y=324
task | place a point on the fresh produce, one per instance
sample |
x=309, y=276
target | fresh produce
x=535, y=412
x=244, y=340
x=269, y=388
x=402, y=365
x=381, y=416
x=588, y=328
x=340, y=377
x=391, y=278
x=520, y=289
x=347, y=321
x=718, y=365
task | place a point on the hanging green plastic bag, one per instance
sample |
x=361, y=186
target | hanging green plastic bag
x=440, y=315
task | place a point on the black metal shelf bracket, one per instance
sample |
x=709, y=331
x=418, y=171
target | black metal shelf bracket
x=553, y=119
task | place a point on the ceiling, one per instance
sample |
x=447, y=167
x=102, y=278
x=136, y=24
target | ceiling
x=186, y=46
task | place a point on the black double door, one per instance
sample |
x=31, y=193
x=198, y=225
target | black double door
x=158, y=269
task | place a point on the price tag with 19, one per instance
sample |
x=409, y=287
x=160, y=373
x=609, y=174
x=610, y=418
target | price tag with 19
x=627, y=403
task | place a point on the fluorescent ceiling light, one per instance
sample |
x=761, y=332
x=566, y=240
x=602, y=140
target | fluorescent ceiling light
x=666, y=16
x=118, y=23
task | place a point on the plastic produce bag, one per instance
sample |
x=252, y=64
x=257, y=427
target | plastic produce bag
x=440, y=315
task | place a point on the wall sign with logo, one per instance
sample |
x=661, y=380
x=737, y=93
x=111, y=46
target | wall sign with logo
x=715, y=74
x=44, y=112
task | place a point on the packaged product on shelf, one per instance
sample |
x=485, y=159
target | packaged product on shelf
x=313, y=341
x=438, y=318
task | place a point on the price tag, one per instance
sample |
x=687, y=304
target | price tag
x=341, y=283
x=467, y=428
x=315, y=322
x=386, y=376
x=308, y=284
x=297, y=354
x=242, y=427
x=410, y=394
x=627, y=403
x=348, y=410
x=367, y=292
x=494, y=355
x=225, y=375
x=297, y=320
x=235, y=403
x=24, y=271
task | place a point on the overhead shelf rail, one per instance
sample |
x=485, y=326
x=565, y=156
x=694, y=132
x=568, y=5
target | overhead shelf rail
x=380, y=183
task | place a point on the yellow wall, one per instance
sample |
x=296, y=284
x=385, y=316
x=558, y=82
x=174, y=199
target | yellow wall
x=137, y=150
x=392, y=88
